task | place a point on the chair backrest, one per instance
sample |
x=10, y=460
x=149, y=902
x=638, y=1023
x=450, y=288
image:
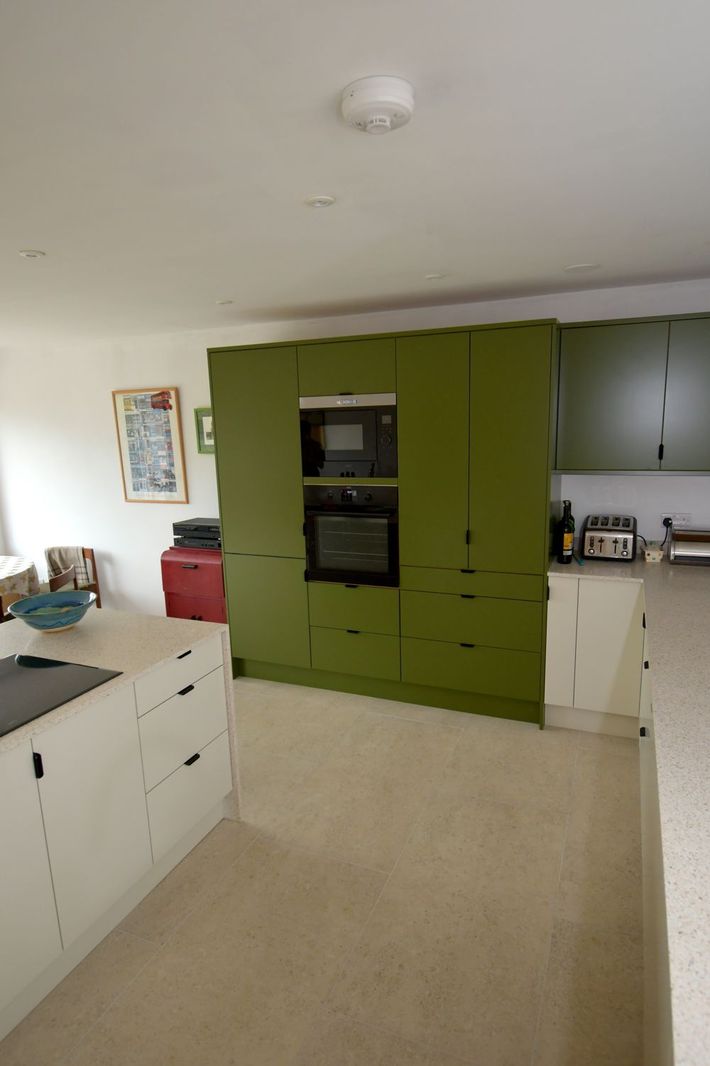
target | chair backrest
x=84, y=561
x=2, y=611
x=66, y=577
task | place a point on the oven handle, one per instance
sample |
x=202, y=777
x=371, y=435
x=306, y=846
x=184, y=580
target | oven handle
x=381, y=512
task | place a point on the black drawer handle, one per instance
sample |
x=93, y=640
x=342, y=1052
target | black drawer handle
x=467, y=571
x=467, y=596
x=184, y=691
x=185, y=653
x=351, y=586
x=39, y=765
x=192, y=759
x=189, y=566
x=352, y=630
x=467, y=645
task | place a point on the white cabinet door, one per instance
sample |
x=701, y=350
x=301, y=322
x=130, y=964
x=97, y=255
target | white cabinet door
x=561, y=641
x=29, y=930
x=645, y=710
x=93, y=802
x=609, y=646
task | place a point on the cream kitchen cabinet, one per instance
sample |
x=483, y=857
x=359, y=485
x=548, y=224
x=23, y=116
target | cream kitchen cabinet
x=595, y=639
x=29, y=928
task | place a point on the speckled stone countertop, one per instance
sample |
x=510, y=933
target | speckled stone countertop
x=114, y=640
x=678, y=619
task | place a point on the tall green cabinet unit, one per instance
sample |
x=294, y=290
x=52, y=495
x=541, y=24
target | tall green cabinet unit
x=466, y=627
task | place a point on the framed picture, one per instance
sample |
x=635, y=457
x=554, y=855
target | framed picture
x=203, y=427
x=150, y=445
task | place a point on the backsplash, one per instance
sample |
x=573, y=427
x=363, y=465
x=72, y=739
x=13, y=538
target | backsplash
x=646, y=496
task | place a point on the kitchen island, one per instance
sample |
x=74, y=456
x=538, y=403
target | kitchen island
x=675, y=783
x=101, y=797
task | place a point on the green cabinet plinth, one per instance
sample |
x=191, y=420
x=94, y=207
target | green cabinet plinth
x=432, y=415
x=612, y=381
x=686, y=422
x=494, y=671
x=363, y=607
x=258, y=446
x=331, y=367
x=510, y=448
x=268, y=609
x=494, y=623
x=363, y=654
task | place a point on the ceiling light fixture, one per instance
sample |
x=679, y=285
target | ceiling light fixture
x=223, y=303
x=581, y=267
x=31, y=253
x=377, y=104
x=433, y=277
x=320, y=201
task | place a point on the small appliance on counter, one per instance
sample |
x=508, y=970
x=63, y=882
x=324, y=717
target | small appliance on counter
x=690, y=546
x=609, y=536
x=197, y=533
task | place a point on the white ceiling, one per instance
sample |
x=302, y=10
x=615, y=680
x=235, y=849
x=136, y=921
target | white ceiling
x=160, y=152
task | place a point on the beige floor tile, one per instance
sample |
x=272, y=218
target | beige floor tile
x=607, y=784
x=296, y=724
x=47, y=1035
x=462, y=975
x=341, y=1042
x=270, y=785
x=592, y=1014
x=415, y=712
x=177, y=894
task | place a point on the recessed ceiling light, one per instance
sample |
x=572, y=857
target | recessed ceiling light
x=223, y=303
x=31, y=253
x=575, y=268
x=433, y=277
x=320, y=201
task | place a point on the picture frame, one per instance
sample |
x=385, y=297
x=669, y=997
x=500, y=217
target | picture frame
x=150, y=447
x=204, y=430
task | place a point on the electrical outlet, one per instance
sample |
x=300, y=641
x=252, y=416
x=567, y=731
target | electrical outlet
x=681, y=520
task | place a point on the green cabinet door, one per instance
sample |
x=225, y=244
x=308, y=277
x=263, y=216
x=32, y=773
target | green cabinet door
x=510, y=427
x=432, y=415
x=258, y=446
x=346, y=366
x=686, y=423
x=268, y=609
x=612, y=380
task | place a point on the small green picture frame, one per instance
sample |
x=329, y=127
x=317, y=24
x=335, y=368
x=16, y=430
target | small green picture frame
x=203, y=428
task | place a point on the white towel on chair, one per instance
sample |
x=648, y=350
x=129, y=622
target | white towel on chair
x=60, y=559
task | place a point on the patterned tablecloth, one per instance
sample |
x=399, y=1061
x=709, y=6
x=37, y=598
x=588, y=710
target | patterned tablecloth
x=18, y=578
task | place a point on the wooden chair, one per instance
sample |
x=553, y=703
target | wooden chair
x=66, y=576
x=2, y=612
x=87, y=555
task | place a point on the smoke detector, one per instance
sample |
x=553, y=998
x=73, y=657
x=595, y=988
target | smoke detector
x=378, y=104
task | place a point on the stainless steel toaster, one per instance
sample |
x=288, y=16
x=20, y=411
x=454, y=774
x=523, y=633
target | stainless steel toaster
x=609, y=536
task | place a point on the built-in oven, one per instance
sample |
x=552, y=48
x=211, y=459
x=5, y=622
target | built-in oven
x=352, y=436
x=351, y=534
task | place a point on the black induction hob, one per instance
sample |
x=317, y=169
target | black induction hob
x=31, y=686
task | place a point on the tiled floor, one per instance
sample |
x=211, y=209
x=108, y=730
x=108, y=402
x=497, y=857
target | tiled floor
x=410, y=887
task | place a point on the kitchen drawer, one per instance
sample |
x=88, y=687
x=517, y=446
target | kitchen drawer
x=366, y=654
x=493, y=671
x=182, y=725
x=199, y=608
x=192, y=571
x=512, y=624
x=181, y=800
x=475, y=582
x=365, y=607
x=158, y=685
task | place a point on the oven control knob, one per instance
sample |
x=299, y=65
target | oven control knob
x=368, y=497
x=386, y=440
x=330, y=495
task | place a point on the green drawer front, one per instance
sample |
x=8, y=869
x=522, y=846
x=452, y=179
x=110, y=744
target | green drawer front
x=373, y=610
x=367, y=654
x=347, y=366
x=477, y=583
x=494, y=623
x=493, y=671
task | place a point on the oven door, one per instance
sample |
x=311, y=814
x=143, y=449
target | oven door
x=352, y=545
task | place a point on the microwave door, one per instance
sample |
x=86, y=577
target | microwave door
x=350, y=436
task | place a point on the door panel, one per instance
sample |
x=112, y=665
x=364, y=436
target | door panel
x=268, y=609
x=510, y=426
x=686, y=425
x=364, y=654
x=258, y=446
x=373, y=610
x=494, y=671
x=432, y=408
x=609, y=646
x=561, y=641
x=494, y=623
x=347, y=366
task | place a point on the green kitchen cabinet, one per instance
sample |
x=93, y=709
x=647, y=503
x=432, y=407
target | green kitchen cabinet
x=612, y=381
x=363, y=607
x=512, y=624
x=258, y=446
x=268, y=609
x=328, y=368
x=432, y=415
x=343, y=651
x=686, y=421
x=495, y=671
x=509, y=442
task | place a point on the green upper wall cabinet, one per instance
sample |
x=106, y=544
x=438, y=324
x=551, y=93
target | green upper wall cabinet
x=255, y=408
x=612, y=381
x=686, y=422
x=510, y=439
x=432, y=416
x=347, y=366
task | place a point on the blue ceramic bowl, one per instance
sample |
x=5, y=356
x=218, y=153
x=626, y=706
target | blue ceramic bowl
x=53, y=611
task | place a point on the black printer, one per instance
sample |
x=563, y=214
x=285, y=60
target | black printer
x=197, y=533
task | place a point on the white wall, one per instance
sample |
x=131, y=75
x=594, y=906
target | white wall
x=59, y=471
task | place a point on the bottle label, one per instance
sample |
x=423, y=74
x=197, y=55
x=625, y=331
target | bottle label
x=567, y=543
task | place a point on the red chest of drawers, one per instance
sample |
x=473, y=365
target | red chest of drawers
x=193, y=584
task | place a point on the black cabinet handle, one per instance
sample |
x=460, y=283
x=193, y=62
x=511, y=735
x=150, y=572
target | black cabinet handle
x=643, y=732
x=352, y=630
x=189, y=566
x=39, y=765
x=467, y=596
x=185, y=654
x=461, y=645
x=645, y=665
x=192, y=759
x=467, y=571
x=351, y=586
x=184, y=691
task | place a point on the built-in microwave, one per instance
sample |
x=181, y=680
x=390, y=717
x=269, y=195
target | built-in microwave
x=352, y=436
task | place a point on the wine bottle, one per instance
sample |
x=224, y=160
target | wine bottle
x=565, y=534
